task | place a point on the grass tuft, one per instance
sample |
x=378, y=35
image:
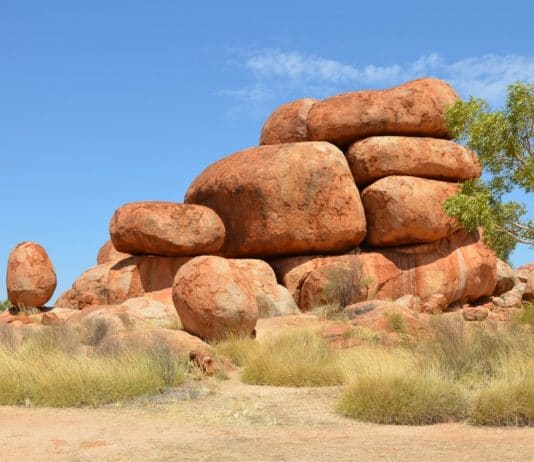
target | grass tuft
x=402, y=400
x=296, y=358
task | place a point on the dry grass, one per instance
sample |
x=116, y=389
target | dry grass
x=297, y=358
x=60, y=367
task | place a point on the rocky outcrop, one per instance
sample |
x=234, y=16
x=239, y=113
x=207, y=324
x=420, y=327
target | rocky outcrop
x=416, y=108
x=380, y=156
x=407, y=210
x=31, y=279
x=288, y=123
x=167, y=229
x=213, y=298
x=283, y=199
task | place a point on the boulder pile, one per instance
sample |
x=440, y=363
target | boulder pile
x=341, y=204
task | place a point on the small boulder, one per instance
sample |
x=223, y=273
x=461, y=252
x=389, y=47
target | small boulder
x=505, y=278
x=214, y=298
x=380, y=156
x=108, y=253
x=407, y=210
x=288, y=123
x=167, y=229
x=436, y=303
x=475, y=313
x=31, y=279
x=416, y=108
x=272, y=299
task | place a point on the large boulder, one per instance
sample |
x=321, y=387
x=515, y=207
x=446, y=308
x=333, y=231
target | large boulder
x=416, y=108
x=379, y=156
x=31, y=279
x=108, y=253
x=117, y=281
x=167, y=229
x=459, y=267
x=407, y=210
x=283, y=199
x=214, y=298
x=288, y=123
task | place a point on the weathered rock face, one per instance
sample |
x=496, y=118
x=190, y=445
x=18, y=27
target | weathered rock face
x=108, y=253
x=167, y=229
x=505, y=278
x=288, y=123
x=407, y=210
x=115, y=282
x=459, y=267
x=272, y=298
x=214, y=298
x=31, y=279
x=416, y=108
x=283, y=199
x=380, y=156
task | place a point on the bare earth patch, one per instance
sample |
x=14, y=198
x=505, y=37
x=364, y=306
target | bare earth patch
x=231, y=421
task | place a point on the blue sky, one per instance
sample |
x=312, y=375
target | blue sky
x=107, y=102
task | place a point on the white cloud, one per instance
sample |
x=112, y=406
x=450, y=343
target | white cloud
x=278, y=75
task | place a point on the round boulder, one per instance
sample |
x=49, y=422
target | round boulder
x=379, y=156
x=31, y=279
x=108, y=253
x=167, y=229
x=416, y=108
x=407, y=210
x=214, y=298
x=283, y=199
x=287, y=124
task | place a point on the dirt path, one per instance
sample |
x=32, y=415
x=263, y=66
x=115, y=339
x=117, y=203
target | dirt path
x=230, y=421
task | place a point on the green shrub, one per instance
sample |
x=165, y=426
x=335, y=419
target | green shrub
x=5, y=305
x=296, y=358
x=396, y=322
x=402, y=399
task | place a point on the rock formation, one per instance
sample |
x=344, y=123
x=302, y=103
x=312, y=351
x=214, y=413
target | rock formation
x=294, y=201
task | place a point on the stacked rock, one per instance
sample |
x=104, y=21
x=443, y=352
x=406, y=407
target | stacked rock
x=365, y=169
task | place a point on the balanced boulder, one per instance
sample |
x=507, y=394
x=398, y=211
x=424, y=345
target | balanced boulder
x=407, y=210
x=416, y=108
x=283, y=199
x=31, y=279
x=379, y=156
x=288, y=123
x=214, y=298
x=167, y=229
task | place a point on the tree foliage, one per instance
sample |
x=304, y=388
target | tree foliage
x=504, y=142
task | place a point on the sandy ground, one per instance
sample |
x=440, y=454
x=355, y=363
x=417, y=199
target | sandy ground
x=229, y=421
